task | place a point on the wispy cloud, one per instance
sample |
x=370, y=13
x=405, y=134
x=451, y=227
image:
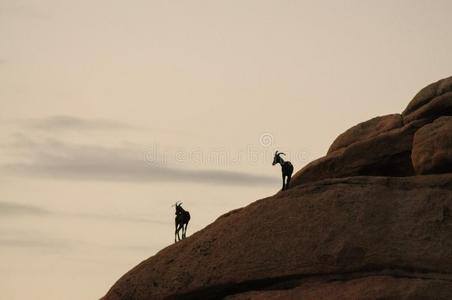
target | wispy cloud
x=112, y=218
x=131, y=172
x=35, y=239
x=59, y=160
x=10, y=208
x=67, y=122
x=139, y=248
x=32, y=243
x=18, y=209
x=23, y=9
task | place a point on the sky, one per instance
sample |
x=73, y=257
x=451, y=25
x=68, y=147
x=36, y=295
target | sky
x=111, y=111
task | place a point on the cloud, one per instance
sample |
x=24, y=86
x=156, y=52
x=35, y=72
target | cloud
x=58, y=160
x=23, y=9
x=9, y=208
x=16, y=209
x=66, y=122
x=32, y=243
x=113, y=218
x=139, y=172
x=140, y=248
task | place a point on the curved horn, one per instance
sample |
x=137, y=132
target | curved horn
x=280, y=153
x=276, y=152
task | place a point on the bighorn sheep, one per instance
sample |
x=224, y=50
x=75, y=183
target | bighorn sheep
x=286, y=169
x=182, y=219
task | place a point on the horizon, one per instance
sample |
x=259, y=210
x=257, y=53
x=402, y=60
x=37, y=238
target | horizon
x=113, y=111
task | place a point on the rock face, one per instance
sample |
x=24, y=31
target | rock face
x=432, y=147
x=431, y=102
x=383, y=146
x=363, y=222
x=367, y=130
x=333, y=230
x=386, y=154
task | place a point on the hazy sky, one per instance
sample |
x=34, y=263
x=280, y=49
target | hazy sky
x=110, y=111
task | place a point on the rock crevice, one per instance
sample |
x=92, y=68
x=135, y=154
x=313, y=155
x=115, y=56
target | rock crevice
x=294, y=281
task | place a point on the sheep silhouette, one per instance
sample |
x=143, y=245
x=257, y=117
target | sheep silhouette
x=286, y=168
x=181, y=220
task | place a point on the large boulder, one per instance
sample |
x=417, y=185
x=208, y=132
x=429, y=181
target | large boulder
x=432, y=147
x=431, y=102
x=348, y=229
x=355, y=224
x=387, y=154
x=366, y=130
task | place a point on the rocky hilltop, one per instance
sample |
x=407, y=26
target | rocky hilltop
x=370, y=220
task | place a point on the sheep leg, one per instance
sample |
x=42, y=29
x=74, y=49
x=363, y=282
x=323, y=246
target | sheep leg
x=178, y=227
x=288, y=181
x=185, y=231
x=283, y=182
